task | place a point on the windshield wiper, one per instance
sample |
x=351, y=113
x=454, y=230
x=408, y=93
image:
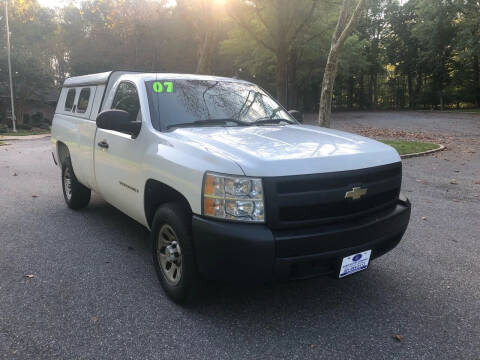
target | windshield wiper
x=209, y=122
x=271, y=121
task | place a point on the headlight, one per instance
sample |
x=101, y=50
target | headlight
x=233, y=197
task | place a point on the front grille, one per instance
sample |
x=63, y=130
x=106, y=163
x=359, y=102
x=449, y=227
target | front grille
x=304, y=200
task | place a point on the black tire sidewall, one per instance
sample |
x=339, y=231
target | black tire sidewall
x=80, y=194
x=179, y=218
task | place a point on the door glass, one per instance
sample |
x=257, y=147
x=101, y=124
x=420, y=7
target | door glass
x=126, y=98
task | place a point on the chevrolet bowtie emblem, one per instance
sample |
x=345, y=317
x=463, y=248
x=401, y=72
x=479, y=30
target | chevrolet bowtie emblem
x=356, y=193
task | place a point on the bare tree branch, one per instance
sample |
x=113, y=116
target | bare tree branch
x=262, y=20
x=304, y=23
x=247, y=28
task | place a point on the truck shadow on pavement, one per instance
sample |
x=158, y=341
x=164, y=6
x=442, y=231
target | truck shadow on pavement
x=308, y=317
x=326, y=293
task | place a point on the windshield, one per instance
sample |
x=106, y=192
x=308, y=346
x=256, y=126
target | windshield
x=176, y=103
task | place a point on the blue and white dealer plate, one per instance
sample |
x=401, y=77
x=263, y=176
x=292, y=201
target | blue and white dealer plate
x=354, y=263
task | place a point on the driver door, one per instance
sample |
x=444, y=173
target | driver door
x=118, y=158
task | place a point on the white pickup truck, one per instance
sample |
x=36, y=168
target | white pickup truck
x=232, y=186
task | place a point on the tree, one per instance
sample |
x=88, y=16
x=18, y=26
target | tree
x=344, y=28
x=207, y=29
x=435, y=32
x=31, y=26
x=402, y=47
x=275, y=25
x=468, y=46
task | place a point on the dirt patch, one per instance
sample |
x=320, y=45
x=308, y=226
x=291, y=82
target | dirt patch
x=379, y=133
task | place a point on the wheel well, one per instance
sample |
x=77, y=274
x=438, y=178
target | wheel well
x=156, y=194
x=62, y=151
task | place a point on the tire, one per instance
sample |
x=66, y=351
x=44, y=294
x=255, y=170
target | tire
x=173, y=253
x=76, y=195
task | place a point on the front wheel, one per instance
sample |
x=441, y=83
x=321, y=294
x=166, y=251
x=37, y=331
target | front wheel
x=76, y=195
x=173, y=253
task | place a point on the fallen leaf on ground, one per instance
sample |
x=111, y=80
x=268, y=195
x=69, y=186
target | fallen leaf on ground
x=453, y=182
x=398, y=337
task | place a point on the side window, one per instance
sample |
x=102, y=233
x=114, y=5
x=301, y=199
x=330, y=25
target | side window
x=126, y=98
x=70, y=99
x=83, y=99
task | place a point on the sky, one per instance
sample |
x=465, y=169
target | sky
x=61, y=3
x=53, y=3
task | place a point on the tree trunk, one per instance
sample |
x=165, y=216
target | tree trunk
x=203, y=54
x=411, y=95
x=351, y=85
x=281, y=76
x=342, y=31
x=325, y=111
x=418, y=89
x=206, y=50
x=375, y=91
x=476, y=79
x=292, y=100
x=361, y=92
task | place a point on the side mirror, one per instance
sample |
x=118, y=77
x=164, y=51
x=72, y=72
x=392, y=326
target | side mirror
x=118, y=120
x=297, y=115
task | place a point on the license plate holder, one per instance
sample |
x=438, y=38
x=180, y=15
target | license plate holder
x=354, y=263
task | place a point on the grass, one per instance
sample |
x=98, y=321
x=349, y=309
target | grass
x=25, y=132
x=409, y=147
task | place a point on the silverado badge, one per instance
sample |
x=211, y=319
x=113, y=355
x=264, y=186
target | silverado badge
x=356, y=193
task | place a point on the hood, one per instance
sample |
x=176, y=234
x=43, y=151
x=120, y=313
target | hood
x=289, y=149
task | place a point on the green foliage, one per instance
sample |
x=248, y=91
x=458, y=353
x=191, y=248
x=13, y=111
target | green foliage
x=415, y=53
x=31, y=27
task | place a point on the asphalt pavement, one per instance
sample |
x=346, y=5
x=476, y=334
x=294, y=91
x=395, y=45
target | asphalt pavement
x=81, y=285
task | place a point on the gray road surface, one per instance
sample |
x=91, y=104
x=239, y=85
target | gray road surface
x=94, y=294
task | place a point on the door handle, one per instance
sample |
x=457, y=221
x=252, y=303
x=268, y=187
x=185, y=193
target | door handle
x=103, y=144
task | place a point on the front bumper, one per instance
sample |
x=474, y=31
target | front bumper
x=252, y=252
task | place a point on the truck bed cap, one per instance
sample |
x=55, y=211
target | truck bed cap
x=103, y=78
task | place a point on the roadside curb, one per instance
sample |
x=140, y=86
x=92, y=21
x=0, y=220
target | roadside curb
x=26, y=137
x=441, y=148
x=450, y=112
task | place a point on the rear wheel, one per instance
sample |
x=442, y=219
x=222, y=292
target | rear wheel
x=76, y=195
x=173, y=253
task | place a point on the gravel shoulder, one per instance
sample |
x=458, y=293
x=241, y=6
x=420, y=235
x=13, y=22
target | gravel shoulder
x=95, y=295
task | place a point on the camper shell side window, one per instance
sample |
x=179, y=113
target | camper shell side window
x=70, y=99
x=83, y=100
